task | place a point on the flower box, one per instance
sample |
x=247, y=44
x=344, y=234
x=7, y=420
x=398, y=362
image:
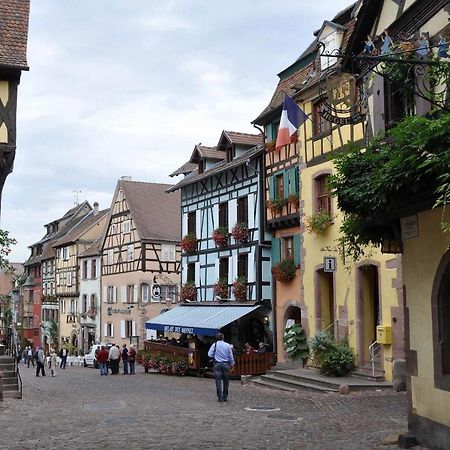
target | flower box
x=240, y=289
x=220, y=236
x=221, y=289
x=240, y=232
x=189, y=243
x=188, y=292
x=285, y=270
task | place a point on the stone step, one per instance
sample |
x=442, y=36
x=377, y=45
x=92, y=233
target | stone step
x=7, y=373
x=271, y=385
x=297, y=383
x=10, y=381
x=304, y=376
x=364, y=373
x=12, y=394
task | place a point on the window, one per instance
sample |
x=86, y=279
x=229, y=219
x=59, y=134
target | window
x=85, y=269
x=167, y=252
x=57, y=279
x=242, y=210
x=110, y=294
x=201, y=166
x=323, y=194
x=169, y=293
x=279, y=186
x=223, y=215
x=113, y=228
x=130, y=328
x=73, y=307
x=65, y=253
x=111, y=256
x=223, y=269
x=242, y=266
x=93, y=304
x=130, y=294
x=321, y=126
x=130, y=252
x=192, y=223
x=93, y=268
x=126, y=226
x=144, y=293
x=69, y=278
x=109, y=330
x=287, y=250
x=191, y=272
x=84, y=305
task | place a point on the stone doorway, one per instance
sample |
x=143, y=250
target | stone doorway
x=325, y=301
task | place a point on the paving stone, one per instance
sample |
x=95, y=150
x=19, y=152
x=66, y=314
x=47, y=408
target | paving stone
x=81, y=409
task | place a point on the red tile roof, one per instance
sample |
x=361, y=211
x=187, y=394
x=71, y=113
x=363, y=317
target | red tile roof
x=14, y=15
x=156, y=214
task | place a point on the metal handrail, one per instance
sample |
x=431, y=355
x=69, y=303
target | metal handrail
x=16, y=358
x=329, y=326
x=373, y=354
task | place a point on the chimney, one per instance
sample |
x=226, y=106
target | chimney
x=126, y=178
x=95, y=208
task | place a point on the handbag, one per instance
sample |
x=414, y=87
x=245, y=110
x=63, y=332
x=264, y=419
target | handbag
x=211, y=360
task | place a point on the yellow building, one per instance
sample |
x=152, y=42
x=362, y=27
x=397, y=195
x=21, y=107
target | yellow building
x=331, y=292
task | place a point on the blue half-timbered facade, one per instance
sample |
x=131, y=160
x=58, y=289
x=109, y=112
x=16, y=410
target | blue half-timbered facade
x=223, y=189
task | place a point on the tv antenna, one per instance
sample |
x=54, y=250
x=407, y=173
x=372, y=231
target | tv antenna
x=76, y=195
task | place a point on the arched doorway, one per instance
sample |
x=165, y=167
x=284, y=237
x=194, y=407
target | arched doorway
x=293, y=315
x=368, y=311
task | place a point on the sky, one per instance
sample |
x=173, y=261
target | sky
x=127, y=88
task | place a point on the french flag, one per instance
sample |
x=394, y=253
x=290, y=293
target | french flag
x=291, y=119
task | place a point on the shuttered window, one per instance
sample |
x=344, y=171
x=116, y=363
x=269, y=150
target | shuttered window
x=242, y=266
x=276, y=251
x=223, y=215
x=323, y=194
x=242, y=210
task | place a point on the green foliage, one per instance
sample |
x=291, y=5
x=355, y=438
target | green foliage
x=162, y=363
x=53, y=332
x=295, y=342
x=6, y=243
x=319, y=223
x=372, y=184
x=332, y=358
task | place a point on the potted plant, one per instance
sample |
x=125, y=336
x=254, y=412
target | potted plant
x=276, y=205
x=188, y=292
x=189, y=243
x=221, y=288
x=318, y=223
x=270, y=145
x=220, y=236
x=240, y=232
x=295, y=343
x=294, y=200
x=240, y=289
x=285, y=270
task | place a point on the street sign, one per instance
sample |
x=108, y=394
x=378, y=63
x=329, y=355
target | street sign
x=329, y=264
x=156, y=291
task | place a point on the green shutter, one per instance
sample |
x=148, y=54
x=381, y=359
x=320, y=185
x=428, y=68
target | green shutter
x=286, y=183
x=297, y=249
x=276, y=251
x=297, y=179
x=271, y=188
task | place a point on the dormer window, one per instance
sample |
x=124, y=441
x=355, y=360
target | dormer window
x=231, y=153
x=201, y=166
x=330, y=37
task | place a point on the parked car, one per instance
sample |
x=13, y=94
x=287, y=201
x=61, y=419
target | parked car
x=90, y=358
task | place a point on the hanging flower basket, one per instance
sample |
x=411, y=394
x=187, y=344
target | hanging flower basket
x=240, y=289
x=221, y=289
x=189, y=243
x=319, y=223
x=240, y=232
x=220, y=236
x=188, y=292
x=285, y=270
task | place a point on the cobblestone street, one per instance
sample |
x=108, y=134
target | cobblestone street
x=80, y=408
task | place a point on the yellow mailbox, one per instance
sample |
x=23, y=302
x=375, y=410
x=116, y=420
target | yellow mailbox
x=384, y=334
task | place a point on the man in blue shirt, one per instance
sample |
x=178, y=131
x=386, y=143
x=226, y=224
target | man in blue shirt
x=222, y=354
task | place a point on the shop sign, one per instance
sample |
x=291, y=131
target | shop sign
x=329, y=264
x=112, y=310
x=181, y=330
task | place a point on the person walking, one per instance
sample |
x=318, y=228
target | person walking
x=30, y=358
x=40, y=359
x=125, y=359
x=63, y=355
x=132, y=360
x=102, y=359
x=222, y=355
x=114, y=354
x=53, y=362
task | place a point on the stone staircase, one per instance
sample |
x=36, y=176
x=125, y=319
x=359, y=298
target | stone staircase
x=9, y=381
x=309, y=379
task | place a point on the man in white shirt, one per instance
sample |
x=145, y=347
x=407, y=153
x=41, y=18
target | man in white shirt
x=222, y=354
x=114, y=354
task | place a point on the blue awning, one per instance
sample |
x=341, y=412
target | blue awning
x=198, y=319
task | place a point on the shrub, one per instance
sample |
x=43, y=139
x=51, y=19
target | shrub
x=330, y=357
x=284, y=270
x=295, y=343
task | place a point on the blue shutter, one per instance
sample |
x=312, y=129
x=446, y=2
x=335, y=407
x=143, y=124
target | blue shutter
x=276, y=251
x=271, y=188
x=286, y=183
x=297, y=249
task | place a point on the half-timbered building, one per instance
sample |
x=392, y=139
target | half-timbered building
x=140, y=259
x=229, y=264
x=13, y=60
x=68, y=249
x=39, y=290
